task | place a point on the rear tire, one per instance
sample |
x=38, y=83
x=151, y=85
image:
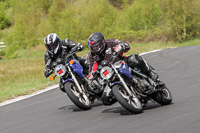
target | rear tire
x=163, y=97
x=80, y=100
x=131, y=104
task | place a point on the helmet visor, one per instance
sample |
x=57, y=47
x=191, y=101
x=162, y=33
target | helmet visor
x=96, y=47
x=53, y=46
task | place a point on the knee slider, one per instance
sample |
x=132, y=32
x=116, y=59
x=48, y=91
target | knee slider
x=132, y=61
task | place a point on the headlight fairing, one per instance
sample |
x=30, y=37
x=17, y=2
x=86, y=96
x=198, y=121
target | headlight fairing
x=60, y=70
x=106, y=72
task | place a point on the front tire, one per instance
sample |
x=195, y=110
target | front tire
x=163, y=97
x=130, y=103
x=80, y=100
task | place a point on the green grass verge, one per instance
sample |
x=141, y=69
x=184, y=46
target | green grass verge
x=24, y=75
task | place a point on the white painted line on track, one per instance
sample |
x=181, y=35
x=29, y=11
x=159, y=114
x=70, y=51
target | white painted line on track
x=28, y=96
x=150, y=52
x=48, y=88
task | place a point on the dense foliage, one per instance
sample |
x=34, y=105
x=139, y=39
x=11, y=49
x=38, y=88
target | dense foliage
x=24, y=23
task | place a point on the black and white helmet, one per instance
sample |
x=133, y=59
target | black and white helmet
x=52, y=43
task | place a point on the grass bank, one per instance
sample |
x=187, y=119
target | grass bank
x=24, y=75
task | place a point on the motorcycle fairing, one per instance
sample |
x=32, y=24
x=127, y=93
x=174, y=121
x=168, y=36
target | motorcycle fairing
x=123, y=68
x=76, y=66
x=114, y=83
x=66, y=80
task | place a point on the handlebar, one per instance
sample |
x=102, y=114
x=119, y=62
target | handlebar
x=115, y=55
x=70, y=54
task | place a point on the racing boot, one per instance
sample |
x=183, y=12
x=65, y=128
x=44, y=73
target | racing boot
x=153, y=75
x=148, y=69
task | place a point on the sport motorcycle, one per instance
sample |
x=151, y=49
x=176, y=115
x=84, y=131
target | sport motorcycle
x=74, y=82
x=131, y=87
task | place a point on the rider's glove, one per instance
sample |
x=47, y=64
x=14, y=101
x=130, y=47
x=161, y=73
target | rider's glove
x=119, y=48
x=48, y=72
x=80, y=47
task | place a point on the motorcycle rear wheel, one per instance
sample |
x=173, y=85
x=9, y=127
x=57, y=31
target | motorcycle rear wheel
x=163, y=97
x=130, y=103
x=80, y=100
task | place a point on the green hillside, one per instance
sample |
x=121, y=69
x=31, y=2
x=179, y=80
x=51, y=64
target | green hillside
x=145, y=24
x=24, y=23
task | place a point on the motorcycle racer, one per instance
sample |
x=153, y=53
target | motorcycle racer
x=59, y=49
x=103, y=49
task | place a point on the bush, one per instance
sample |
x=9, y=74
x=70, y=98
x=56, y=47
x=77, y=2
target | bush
x=143, y=14
x=4, y=22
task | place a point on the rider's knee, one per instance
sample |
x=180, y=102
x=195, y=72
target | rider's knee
x=132, y=60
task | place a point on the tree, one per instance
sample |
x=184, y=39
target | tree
x=184, y=18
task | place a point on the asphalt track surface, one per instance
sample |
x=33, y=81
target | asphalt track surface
x=53, y=112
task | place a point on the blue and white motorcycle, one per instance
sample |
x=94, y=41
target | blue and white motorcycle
x=73, y=81
x=132, y=88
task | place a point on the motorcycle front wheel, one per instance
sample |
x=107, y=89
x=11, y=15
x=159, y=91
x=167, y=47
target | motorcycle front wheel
x=130, y=103
x=80, y=100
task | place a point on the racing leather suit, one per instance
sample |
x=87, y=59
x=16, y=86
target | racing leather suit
x=67, y=45
x=95, y=59
x=133, y=60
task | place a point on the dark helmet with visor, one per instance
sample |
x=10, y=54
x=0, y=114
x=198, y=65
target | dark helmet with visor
x=96, y=43
x=52, y=43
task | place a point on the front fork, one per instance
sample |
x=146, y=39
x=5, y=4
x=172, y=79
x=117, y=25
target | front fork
x=75, y=80
x=122, y=81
